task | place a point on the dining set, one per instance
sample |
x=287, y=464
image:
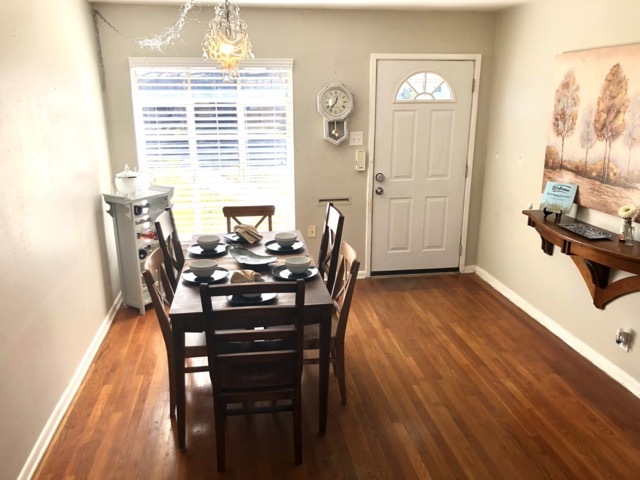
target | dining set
x=255, y=315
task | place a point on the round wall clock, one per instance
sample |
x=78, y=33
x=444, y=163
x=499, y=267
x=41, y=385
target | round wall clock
x=335, y=103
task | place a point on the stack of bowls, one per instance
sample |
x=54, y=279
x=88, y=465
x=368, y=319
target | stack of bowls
x=298, y=264
x=208, y=242
x=203, y=268
x=286, y=239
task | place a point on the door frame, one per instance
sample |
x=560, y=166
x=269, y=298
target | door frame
x=373, y=85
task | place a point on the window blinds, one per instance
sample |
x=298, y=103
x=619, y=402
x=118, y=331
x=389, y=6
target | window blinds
x=216, y=143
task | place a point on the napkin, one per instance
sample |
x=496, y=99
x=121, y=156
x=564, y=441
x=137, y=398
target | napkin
x=244, y=276
x=248, y=232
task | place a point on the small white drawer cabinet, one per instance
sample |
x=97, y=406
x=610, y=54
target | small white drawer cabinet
x=134, y=225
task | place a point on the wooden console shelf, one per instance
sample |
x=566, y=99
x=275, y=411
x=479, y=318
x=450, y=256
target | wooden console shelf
x=594, y=258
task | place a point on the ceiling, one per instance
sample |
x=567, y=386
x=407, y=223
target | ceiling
x=488, y=5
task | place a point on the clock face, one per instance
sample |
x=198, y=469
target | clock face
x=336, y=103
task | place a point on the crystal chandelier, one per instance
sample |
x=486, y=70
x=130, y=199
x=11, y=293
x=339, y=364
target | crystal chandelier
x=226, y=41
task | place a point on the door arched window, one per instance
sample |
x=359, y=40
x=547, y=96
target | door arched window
x=425, y=87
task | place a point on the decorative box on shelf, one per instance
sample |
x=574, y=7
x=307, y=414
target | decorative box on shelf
x=134, y=225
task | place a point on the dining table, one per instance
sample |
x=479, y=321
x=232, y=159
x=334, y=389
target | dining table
x=186, y=313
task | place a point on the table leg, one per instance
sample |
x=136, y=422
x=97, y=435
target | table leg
x=325, y=345
x=178, y=368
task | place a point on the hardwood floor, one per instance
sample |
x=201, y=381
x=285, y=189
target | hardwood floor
x=445, y=379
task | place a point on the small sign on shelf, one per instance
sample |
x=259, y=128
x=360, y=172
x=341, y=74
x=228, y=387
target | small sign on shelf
x=558, y=197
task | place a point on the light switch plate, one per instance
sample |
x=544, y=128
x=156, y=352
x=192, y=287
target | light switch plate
x=355, y=139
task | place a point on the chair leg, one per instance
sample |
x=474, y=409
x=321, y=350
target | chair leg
x=332, y=359
x=172, y=389
x=220, y=434
x=297, y=428
x=338, y=366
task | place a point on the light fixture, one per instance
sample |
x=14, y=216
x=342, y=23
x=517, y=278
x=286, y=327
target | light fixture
x=226, y=41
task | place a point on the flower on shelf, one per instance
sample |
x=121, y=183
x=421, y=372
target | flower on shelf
x=627, y=211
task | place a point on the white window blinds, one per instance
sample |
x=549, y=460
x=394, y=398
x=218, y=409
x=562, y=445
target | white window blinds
x=216, y=143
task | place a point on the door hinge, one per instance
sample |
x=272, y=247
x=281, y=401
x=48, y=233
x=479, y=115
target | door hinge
x=460, y=250
x=466, y=171
x=473, y=85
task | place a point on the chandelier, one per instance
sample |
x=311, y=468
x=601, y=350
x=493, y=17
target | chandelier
x=226, y=41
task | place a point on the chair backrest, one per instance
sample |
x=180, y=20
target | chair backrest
x=262, y=211
x=161, y=292
x=170, y=244
x=255, y=352
x=345, y=284
x=330, y=245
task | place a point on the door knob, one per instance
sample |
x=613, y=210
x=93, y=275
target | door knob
x=380, y=177
x=379, y=190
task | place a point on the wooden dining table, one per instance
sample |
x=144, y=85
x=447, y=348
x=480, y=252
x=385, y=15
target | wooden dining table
x=186, y=315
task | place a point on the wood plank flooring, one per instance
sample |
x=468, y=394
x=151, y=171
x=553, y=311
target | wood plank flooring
x=445, y=380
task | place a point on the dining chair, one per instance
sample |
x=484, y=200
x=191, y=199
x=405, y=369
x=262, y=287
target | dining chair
x=265, y=377
x=236, y=212
x=330, y=244
x=345, y=283
x=170, y=243
x=161, y=292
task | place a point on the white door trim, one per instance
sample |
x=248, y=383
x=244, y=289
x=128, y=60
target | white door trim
x=375, y=58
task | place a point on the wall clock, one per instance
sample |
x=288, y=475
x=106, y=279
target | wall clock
x=335, y=103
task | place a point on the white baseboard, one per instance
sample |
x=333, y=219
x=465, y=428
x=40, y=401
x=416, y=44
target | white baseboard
x=61, y=408
x=469, y=269
x=578, y=345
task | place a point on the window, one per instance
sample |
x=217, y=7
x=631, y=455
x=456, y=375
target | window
x=424, y=87
x=216, y=143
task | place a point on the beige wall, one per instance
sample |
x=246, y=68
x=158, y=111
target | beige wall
x=54, y=279
x=55, y=165
x=527, y=42
x=326, y=46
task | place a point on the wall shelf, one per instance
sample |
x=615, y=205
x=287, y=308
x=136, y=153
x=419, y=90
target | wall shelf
x=593, y=258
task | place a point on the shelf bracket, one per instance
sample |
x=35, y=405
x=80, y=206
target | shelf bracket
x=593, y=259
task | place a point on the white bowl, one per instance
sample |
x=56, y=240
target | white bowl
x=298, y=264
x=203, y=268
x=208, y=242
x=286, y=239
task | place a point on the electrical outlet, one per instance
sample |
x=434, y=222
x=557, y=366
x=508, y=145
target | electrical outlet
x=623, y=339
x=355, y=139
x=311, y=231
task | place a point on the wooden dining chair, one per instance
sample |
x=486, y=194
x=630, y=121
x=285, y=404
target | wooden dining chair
x=235, y=213
x=161, y=292
x=270, y=371
x=170, y=243
x=330, y=244
x=345, y=283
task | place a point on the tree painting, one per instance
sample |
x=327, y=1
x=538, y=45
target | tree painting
x=565, y=111
x=594, y=128
x=631, y=135
x=587, y=135
x=609, y=119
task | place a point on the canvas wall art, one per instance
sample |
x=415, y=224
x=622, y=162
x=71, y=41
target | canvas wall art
x=594, y=130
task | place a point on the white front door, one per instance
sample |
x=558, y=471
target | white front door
x=421, y=141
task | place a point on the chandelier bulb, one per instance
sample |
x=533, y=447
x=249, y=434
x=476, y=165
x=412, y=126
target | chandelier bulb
x=226, y=40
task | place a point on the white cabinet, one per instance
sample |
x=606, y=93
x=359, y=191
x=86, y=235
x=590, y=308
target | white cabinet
x=133, y=221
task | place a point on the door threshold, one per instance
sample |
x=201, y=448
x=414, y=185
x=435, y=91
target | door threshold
x=425, y=271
